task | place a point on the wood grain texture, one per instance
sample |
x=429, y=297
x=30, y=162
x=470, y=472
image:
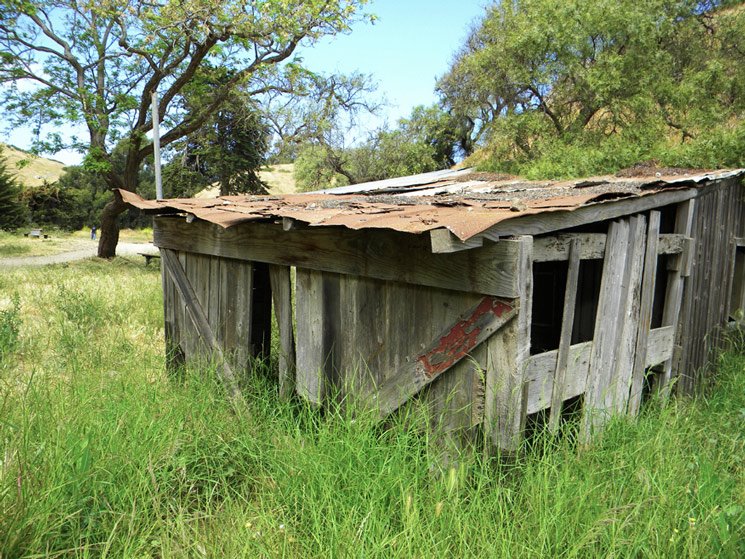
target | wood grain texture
x=565, y=339
x=201, y=325
x=645, y=314
x=630, y=294
x=281, y=283
x=489, y=270
x=608, y=325
x=539, y=371
x=505, y=408
x=592, y=245
x=312, y=356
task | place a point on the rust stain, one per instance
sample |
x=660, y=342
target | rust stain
x=408, y=204
x=462, y=337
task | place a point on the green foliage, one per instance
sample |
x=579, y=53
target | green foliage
x=13, y=212
x=104, y=454
x=426, y=141
x=541, y=81
x=228, y=149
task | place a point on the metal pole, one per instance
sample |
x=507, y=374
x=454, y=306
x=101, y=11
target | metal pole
x=156, y=148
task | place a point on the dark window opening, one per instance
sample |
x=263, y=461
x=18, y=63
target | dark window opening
x=660, y=289
x=549, y=285
x=737, y=295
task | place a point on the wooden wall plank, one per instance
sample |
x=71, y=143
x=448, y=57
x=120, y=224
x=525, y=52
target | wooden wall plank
x=506, y=387
x=201, y=324
x=282, y=296
x=645, y=314
x=565, y=340
x=607, y=330
x=539, y=371
x=489, y=270
x=310, y=377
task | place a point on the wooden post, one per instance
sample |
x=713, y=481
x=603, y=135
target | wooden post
x=282, y=295
x=645, y=313
x=505, y=405
x=567, y=324
x=678, y=266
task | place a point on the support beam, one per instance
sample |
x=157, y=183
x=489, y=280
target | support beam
x=387, y=255
x=680, y=269
x=592, y=246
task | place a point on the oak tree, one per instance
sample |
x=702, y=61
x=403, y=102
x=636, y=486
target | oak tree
x=98, y=62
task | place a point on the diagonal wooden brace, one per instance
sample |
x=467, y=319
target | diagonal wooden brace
x=201, y=324
x=472, y=328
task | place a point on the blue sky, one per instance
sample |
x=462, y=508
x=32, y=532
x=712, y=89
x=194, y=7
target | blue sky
x=409, y=46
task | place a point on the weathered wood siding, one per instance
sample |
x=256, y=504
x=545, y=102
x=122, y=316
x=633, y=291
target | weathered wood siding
x=224, y=289
x=374, y=312
x=718, y=219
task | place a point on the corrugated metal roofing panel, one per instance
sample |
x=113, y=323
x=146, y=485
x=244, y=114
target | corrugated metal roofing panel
x=464, y=202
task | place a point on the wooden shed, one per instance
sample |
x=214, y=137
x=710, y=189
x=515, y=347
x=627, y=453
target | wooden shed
x=494, y=299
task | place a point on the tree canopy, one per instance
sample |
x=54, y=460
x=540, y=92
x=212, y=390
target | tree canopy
x=97, y=63
x=428, y=140
x=562, y=87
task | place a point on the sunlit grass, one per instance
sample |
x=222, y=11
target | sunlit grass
x=102, y=454
x=13, y=245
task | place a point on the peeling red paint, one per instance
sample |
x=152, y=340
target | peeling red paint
x=462, y=337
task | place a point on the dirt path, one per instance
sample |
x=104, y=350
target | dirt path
x=122, y=249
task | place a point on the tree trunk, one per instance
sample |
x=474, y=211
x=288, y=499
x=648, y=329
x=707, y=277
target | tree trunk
x=110, y=227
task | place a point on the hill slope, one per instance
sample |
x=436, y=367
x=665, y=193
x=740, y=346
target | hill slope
x=31, y=170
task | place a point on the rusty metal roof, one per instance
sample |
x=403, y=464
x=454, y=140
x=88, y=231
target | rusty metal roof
x=465, y=202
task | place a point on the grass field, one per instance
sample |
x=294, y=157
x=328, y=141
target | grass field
x=103, y=455
x=14, y=245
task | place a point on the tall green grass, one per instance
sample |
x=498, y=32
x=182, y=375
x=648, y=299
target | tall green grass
x=103, y=455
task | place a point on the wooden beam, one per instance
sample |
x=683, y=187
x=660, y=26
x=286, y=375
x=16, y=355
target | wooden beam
x=592, y=246
x=565, y=341
x=608, y=325
x=282, y=296
x=388, y=255
x=540, y=369
x=202, y=326
x=554, y=221
x=444, y=241
x=675, y=286
x=505, y=402
x=645, y=313
x=473, y=327
x=310, y=376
